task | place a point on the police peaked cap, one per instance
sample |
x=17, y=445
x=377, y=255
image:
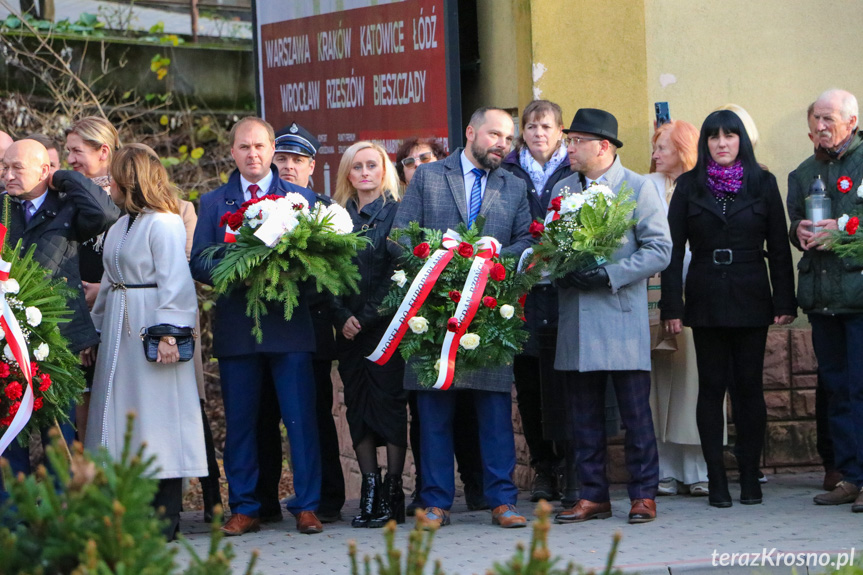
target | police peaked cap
x=295, y=139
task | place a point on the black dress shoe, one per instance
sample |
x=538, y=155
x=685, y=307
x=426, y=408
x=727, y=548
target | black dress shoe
x=327, y=516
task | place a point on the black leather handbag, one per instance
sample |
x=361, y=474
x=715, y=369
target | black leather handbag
x=185, y=337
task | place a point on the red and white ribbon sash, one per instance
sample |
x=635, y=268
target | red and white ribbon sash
x=471, y=296
x=18, y=345
x=411, y=304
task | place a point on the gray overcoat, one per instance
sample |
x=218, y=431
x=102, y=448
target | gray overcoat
x=436, y=199
x=607, y=329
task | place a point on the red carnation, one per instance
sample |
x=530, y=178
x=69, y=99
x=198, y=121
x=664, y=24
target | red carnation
x=34, y=367
x=536, y=228
x=224, y=220
x=235, y=221
x=37, y=403
x=5, y=370
x=852, y=225
x=498, y=272
x=6, y=421
x=555, y=203
x=422, y=251
x=14, y=390
x=489, y=301
x=455, y=296
x=452, y=324
x=13, y=409
x=44, y=382
x=465, y=250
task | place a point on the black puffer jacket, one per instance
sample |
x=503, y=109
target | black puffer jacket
x=540, y=307
x=74, y=211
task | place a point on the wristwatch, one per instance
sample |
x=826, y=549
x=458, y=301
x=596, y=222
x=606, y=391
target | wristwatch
x=169, y=340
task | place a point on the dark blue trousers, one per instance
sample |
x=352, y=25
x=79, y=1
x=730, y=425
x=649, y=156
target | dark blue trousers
x=586, y=405
x=241, y=392
x=838, y=341
x=496, y=441
x=19, y=457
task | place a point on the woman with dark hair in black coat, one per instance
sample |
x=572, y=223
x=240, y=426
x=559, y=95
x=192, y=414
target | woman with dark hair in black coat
x=727, y=208
x=540, y=159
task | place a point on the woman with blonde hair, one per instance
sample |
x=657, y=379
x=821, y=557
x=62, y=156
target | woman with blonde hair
x=147, y=283
x=367, y=186
x=674, y=389
x=90, y=146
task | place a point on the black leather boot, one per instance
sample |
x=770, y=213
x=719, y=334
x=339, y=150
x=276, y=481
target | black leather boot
x=369, y=499
x=750, y=487
x=718, y=485
x=391, y=503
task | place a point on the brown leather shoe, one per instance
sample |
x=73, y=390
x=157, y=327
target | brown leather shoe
x=432, y=518
x=507, y=516
x=832, y=477
x=239, y=524
x=857, y=507
x=584, y=510
x=307, y=523
x=844, y=492
x=642, y=511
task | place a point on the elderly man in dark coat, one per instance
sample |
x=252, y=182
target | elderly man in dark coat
x=604, y=330
x=441, y=195
x=56, y=211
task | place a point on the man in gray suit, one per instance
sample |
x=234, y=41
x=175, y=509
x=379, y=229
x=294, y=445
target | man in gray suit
x=604, y=332
x=468, y=184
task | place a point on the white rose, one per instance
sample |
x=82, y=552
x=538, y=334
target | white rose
x=34, y=316
x=7, y=352
x=9, y=286
x=506, y=311
x=469, y=341
x=437, y=365
x=41, y=352
x=2, y=334
x=843, y=221
x=860, y=191
x=400, y=278
x=418, y=324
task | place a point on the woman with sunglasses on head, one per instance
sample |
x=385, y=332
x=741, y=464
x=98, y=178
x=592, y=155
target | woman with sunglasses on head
x=540, y=159
x=416, y=151
x=367, y=187
x=90, y=146
x=728, y=208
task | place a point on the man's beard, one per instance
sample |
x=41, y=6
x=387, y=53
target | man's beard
x=482, y=156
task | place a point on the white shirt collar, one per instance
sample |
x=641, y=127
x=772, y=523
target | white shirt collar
x=467, y=165
x=264, y=183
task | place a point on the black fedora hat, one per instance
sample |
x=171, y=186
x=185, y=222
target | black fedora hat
x=593, y=121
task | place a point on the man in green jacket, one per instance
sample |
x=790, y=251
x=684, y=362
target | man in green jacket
x=830, y=289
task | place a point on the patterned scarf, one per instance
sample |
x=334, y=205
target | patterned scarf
x=724, y=181
x=539, y=175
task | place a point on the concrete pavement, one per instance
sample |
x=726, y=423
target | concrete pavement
x=688, y=537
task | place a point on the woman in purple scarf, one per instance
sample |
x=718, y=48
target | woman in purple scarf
x=729, y=209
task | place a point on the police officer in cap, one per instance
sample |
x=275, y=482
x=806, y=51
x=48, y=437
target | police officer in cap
x=295, y=159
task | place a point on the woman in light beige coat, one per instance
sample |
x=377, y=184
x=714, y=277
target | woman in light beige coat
x=147, y=282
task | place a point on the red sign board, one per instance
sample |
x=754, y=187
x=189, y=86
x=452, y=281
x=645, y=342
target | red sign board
x=374, y=72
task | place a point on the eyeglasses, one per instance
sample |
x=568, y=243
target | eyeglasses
x=577, y=140
x=423, y=158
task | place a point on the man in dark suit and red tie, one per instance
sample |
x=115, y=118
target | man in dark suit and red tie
x=285, y=351
x=468, y=184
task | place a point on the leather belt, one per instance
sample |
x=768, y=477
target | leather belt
x=122, y=286
x=725, y=257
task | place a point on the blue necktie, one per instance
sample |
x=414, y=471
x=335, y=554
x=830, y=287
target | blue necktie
x=475, y=196
x=28, y=214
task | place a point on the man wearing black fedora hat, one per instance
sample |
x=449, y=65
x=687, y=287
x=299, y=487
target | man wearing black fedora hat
x=294, y=157
x=604, y=331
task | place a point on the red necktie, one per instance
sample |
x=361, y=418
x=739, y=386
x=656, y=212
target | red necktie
x=253, y=190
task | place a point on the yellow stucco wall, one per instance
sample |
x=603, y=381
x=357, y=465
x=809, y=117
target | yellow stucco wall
x=590, y=54
x=773, y=57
